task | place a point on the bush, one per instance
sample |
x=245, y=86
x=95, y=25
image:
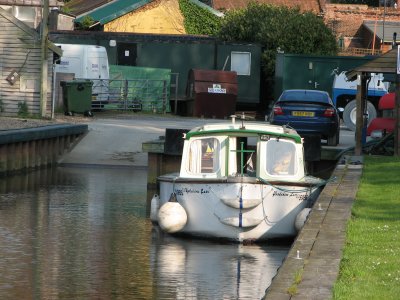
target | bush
x=278, y=27
x=23, y=109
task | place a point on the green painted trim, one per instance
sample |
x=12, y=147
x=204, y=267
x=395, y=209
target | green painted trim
x=107, y=13
x=122, y=12
x=209, y=8
x=241, y=132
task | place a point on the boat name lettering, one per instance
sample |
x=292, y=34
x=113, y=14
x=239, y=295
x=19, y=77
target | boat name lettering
x=190, y=191
x=299, y=196
x=302, y=197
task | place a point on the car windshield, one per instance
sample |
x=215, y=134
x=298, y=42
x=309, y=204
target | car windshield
x=309, y=96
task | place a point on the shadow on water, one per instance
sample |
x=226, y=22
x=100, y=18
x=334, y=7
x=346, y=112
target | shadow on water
x=82, y=233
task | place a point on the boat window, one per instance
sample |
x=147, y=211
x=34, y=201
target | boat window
x=243, y=156
x=204, y=156
x=281, y=157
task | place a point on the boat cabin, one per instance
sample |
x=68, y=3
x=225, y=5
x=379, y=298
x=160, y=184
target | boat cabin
x=263, y=151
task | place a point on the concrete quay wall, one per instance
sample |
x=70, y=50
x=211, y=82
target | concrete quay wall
x=312, y=264
x=31, y=148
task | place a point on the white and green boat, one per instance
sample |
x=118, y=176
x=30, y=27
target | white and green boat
x=241, y=181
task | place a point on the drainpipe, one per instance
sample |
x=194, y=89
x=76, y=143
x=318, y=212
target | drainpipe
x=43, y=58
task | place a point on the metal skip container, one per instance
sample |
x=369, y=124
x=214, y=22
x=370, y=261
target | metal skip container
x=211, y=93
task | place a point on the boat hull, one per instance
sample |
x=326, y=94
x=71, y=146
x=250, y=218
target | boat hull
x=237, y=210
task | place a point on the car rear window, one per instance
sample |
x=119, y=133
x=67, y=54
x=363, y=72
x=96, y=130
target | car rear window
x=304, y=96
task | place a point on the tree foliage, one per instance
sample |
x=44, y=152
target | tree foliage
x=278, y=27
x=198, y=20
x=86, y=22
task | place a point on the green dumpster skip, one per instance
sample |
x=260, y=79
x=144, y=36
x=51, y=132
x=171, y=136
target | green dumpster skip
x=77, y=97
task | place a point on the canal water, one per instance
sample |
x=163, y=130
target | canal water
x=84, y=233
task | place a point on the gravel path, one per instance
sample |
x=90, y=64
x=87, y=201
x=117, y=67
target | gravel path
x=8, y=123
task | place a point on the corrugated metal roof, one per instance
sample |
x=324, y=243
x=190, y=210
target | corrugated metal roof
x=113, y=10
x=78, y=7
x=380, y=28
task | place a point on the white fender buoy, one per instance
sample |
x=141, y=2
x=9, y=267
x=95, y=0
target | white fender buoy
x=172, y=217
x=154, y=206
x=301, y=218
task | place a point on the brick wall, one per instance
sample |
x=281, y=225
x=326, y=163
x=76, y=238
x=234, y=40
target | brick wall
x=345, y=20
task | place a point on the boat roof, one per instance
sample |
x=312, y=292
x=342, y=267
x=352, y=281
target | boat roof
x=244, y=129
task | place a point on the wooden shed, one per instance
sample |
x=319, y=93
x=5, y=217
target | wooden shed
x=20, y=68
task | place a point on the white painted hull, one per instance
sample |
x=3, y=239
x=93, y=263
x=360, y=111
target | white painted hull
x=214, y=208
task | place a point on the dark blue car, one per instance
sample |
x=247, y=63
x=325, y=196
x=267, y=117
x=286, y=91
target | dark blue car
x=310, y=112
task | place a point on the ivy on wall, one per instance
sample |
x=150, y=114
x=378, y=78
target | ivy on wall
x=198, y=20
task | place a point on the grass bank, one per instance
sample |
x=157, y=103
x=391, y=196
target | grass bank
x=370, y=267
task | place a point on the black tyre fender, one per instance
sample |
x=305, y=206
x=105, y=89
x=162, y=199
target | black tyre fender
x=334, y=139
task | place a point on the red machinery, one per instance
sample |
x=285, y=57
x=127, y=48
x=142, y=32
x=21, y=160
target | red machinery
x=387, y=122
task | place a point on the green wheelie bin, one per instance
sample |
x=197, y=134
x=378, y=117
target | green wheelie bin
x=77, y=97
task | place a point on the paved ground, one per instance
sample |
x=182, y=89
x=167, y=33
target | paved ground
x=117, y=140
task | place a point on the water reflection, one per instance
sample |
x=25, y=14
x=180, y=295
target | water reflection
x=72, y=233
x=200, y=269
